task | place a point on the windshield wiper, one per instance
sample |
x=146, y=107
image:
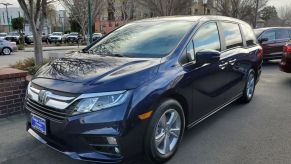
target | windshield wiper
x=117, y=55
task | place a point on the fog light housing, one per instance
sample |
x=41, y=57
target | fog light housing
x=117, y=151
x=111, y=140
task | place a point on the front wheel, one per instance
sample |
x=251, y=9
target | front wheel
x=250, y=86
x=6, y=51
x=165, y=131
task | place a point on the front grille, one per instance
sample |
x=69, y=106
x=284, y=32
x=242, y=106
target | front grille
x=47, y=112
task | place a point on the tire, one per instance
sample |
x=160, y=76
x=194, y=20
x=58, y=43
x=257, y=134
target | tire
x=249, y=88
x=6, y=51
x=159, y=127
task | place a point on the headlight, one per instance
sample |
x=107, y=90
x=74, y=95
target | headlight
x=94, y=102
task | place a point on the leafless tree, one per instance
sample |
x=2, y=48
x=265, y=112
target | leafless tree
x=36, y=13
x=78, y=10
x=166, y=7
x=126, y=8
x=285, y=15
x=241, y=9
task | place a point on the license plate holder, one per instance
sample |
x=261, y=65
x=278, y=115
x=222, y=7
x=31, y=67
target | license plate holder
x=38, y=124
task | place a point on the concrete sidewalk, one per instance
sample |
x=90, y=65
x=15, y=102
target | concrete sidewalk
x=31, y=49
x=17, y=146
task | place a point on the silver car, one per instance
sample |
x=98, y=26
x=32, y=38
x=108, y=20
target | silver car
x=3, y=35
x=7, y=47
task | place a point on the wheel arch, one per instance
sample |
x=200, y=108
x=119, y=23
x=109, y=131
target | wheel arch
x=181, y=100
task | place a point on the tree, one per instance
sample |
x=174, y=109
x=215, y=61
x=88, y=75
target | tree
x=78, y=10
x=166, y=7
x=75, y=26
x=241, y=9
x=36, y=12
x=268, y=12
x=285, y=15
x=18, y=24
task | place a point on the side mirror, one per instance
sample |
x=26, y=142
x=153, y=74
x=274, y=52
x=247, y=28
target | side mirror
x=261, y=40
x=207, y=56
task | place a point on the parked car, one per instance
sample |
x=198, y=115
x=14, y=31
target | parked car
x=6, y=47
x=73, y=37
x=28, y=39
x=56, y=37
x=272, y=39
x=3, y=35
x=13, y=37
x=285, y=63
x=138, y=88
x=97, y=36
x=44, y=38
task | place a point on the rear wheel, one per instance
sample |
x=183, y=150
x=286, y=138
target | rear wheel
x=6, y=51
x=165, y=131
x=250, y=86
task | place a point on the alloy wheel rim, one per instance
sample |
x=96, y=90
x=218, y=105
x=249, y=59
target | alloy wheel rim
x=6, y=51
x=167, y=132
x=250, y=85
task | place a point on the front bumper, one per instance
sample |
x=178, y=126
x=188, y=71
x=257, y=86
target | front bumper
x=285, y=64
x=272, y=57
x=84, y=137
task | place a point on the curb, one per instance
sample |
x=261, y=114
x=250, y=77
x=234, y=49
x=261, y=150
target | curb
x=54, y=49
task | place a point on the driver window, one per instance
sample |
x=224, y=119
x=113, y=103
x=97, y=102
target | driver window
x=207, y=37
x=270, y=35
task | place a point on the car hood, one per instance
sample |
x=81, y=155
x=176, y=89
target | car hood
x=89, y=69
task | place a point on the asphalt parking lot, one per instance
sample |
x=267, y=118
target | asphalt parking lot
x=256, y=133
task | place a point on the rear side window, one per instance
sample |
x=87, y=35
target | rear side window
x=232, y=35
x=282, y=34
x=249, y=35
x=207, y=37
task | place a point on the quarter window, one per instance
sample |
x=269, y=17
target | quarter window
x=282, y=34
x=190, y=51
x=232, y=35
x=207, y=37
x=249, y=35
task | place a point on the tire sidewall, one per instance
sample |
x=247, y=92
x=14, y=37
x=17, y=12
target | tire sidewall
x=150, y=149
x=245, y=96
x=4, y=50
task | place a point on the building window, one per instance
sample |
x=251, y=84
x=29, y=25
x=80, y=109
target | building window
x=196, y=11
x=110, y=15
x=208, y=11
x=189, y=11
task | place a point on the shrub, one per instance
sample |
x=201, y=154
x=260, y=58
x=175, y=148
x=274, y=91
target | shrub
x=28, y=65
x=20, y=47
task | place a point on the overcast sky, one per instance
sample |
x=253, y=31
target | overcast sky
x=276, y=3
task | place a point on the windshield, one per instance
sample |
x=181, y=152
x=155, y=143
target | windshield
x=56, y=33
x=2, y=34
x=143, y=39
x=74, y=33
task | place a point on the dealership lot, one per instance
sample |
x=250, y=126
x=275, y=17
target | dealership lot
x=258, y=132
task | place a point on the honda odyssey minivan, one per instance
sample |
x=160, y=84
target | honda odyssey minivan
x=135, y=91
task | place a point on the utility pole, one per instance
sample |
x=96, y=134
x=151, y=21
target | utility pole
x=89, y=22
x=205, y=5
x=62, y=18
x=8, y=22
x=256, y=14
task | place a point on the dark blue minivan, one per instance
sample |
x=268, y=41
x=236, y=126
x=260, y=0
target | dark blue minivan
x=135, y=91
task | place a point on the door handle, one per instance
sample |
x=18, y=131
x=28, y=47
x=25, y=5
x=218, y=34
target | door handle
x=223, y=65
x=232, y=62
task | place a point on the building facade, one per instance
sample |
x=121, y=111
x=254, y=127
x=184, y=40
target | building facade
x=13, y=12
